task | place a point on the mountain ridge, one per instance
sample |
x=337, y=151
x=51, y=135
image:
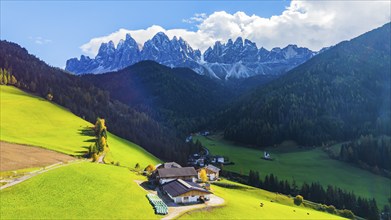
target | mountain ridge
x=233, y=60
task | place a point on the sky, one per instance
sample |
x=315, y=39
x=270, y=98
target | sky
x=55, y=31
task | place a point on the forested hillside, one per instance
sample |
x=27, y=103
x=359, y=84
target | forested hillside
x=338, y=95
x=179, y=97
x=89, y=102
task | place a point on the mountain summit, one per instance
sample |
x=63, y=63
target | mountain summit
x=239, y=59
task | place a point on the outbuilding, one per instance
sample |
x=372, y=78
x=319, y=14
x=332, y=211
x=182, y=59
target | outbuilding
x=212, y=172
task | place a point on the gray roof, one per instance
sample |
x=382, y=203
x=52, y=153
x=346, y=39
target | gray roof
x=177, y=172
x=179, y=187
x=169, y=165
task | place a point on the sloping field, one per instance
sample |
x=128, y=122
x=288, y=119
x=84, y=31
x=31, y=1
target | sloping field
x=79, y=191
x=95, y=191
x=31, y=120
x=243, y=202
x=17, y=156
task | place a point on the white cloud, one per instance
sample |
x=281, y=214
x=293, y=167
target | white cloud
x=40, y=40
x=197, y=18
x=312, y=24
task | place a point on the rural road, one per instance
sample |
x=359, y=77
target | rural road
x=35, y=173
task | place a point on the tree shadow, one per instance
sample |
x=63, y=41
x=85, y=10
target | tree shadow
x=87, y=132
x=93, y=140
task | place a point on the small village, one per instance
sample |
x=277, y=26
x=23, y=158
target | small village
x=171, y=185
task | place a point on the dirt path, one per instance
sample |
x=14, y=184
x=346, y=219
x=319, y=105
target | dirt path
x=35, y=173
x=175, y=210
x=101, y=158
x=18, y=156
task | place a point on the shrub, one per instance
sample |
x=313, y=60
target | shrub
x=137, y=166
x=331, y=209
x=321, y=207
x=150, y=168
x=117, y=164
x=49, y=97
x=346, y=214
x=298, y=200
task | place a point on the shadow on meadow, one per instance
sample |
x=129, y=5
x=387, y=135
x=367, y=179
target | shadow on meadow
x=87, y=132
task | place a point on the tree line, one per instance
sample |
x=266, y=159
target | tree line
x=100, y=145
x=370, y=153
x=315, y=192
x=7, y=78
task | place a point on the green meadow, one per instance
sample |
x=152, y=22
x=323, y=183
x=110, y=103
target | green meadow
x=244, y=203
x=293, y=163
x=95, y=191
x=78, y=191
x=31, y=120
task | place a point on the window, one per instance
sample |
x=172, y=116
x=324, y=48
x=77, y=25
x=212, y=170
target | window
x=186, y=198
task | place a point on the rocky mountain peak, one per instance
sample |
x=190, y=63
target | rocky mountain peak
x=234, y=59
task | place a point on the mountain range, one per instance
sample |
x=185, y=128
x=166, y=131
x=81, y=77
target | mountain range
x=233, y=60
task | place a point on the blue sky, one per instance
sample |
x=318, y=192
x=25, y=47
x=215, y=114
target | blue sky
x=65, y=25
x=58, y=30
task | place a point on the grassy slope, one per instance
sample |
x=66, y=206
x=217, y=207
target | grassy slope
x=82, y=191
x=304, y=166
x=91, y=190
x=27, y=119
x=245, y=204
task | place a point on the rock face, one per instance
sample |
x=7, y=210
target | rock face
x=243, y=59
x=239, y=59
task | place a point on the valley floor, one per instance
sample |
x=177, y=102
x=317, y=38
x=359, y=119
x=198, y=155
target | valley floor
x=302, y=165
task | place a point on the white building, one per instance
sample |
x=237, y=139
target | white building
x=181, y=191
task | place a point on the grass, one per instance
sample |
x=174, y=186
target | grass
x=31, y=120
x=95, y=191
x=16, y=173
x=78, y=191
x=243, y=202
x=311, y=165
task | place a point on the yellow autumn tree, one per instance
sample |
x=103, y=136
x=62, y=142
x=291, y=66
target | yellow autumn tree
x=150, y=168
x=100, y=127
x=203, y=176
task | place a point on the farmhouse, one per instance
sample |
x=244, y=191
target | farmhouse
x=165, y=175
x=185, y=192
x=212, y=172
